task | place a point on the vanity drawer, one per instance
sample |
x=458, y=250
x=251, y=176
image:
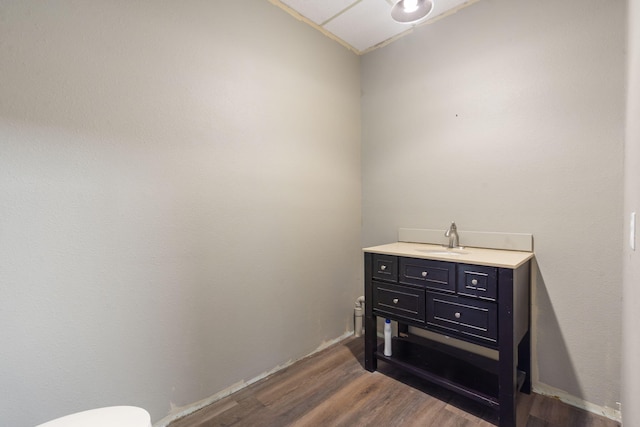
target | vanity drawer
x=471, y=319
x=385, y=267
x=399, y=301
x=439, y=275
x=478, y=281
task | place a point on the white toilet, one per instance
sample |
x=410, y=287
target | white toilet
x=113, y=416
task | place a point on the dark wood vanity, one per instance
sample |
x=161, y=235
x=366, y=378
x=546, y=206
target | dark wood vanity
x=481, y=297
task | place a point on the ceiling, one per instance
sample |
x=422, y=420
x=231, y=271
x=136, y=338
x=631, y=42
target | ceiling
x=361, y=25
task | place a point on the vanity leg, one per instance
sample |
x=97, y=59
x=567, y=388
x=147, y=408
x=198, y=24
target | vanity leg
x=507, y=370
x=370, y=344
x=370, y=322
x=524, y=361
x=403, y=329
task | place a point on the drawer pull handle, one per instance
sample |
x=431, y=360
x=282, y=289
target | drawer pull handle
x=474, y=282
x=457, y=315
x=383, y=267
x=395, y=300
x=424, y=274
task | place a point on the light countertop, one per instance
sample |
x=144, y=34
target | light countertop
x=467, y=255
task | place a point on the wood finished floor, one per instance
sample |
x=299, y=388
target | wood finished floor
x=332, y=388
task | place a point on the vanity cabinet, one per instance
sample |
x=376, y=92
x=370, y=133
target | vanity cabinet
x=470, y=299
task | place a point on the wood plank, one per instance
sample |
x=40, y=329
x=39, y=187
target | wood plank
x=332, y=388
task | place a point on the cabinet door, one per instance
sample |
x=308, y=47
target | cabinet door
x=478, y=281
x=385, y=267
x=471, y=319
x=438, y=275
x=399, y=301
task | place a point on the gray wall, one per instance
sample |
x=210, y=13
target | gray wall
x=631, y=259
x=509, y=116
x=175, y=180
x=179, y=200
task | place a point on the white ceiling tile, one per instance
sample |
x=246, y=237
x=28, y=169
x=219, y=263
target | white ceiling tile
x=442, y=6
x=318, y=11
x=366, y=24
x=362, y=24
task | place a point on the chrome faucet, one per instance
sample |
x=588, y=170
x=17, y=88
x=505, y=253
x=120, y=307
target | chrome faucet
x=452, y=234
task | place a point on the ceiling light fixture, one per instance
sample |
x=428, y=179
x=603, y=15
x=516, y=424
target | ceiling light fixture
x=411, y=11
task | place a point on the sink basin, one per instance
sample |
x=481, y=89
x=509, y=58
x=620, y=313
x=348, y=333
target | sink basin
x=443, y=251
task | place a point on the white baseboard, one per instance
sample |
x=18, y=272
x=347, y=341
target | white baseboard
x=181, y=412
x=540, y=388
x=547, y=390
